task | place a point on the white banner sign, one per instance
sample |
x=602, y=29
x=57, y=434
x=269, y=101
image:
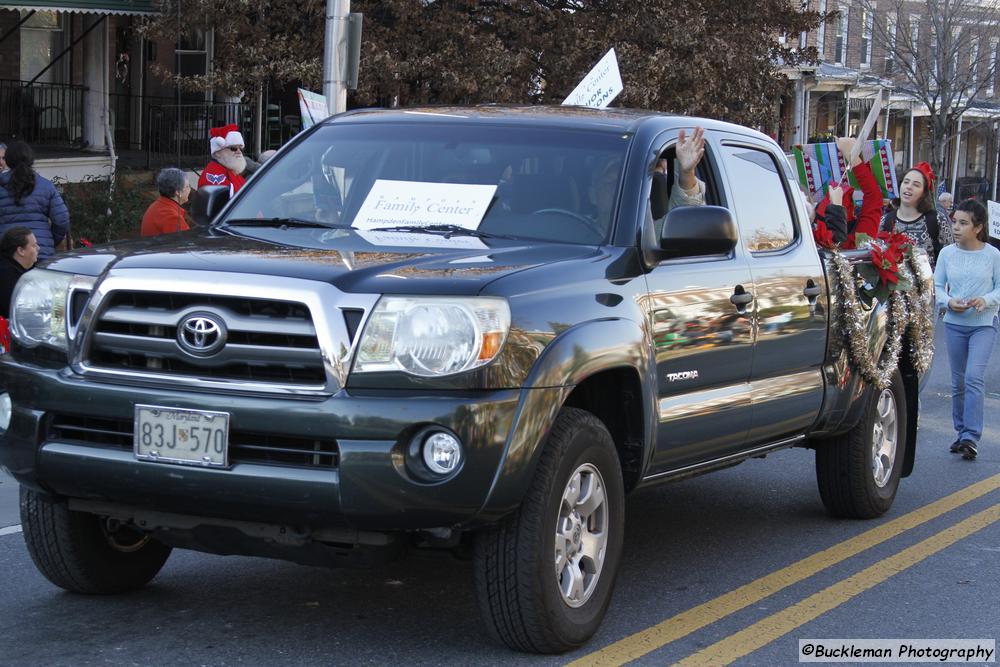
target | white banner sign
x=600, y=86
x=397, y=203
x=313, y=108
x=994, y=209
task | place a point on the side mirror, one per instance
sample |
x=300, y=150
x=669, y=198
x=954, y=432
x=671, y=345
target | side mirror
x=690, y=231
x=208, y=200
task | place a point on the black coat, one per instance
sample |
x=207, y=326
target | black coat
x=10, y=271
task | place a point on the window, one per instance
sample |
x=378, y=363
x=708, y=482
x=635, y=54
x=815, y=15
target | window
x=840, y=45
x=890, y=51
x=821, y=35
x=552, y=184
x=765, y=216
x=991, y=67
x=803, y=7
x=973, y=64
x=866, y=39
x=664, y=183
x=192, y=60
x=954, y=47
x=914, y=39
x=41, y=41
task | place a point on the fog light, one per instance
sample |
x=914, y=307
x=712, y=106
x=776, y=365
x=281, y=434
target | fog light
x=5, y=411
x=442, y=453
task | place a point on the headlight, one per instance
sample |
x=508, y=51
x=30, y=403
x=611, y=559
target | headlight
x=38, y=308
x=432, y=336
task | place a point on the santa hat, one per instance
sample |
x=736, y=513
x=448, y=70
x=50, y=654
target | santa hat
x=224, y=137
x=928, y=173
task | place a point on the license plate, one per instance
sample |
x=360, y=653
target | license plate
x=190, y=437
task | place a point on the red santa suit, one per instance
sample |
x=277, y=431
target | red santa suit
x=215, y=173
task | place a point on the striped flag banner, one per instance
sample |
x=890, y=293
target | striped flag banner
x=819, y=164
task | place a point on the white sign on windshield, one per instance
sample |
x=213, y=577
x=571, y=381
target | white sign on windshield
x=406, y=203
x=601, y=85
x=994, y=211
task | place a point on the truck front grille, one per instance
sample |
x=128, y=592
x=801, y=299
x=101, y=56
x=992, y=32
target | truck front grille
x=262, y=340
x=244, y=447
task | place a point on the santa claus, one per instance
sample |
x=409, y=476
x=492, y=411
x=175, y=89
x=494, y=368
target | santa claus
x=227, y=164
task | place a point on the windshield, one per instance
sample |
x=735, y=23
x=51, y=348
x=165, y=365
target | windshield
x=541, y=183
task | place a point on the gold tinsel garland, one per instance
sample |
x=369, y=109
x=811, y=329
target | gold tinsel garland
x=910, y=313
x=921, y=304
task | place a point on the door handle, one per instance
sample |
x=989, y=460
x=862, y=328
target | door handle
x=741, y=298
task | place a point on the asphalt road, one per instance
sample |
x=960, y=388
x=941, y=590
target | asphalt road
x=733, y=567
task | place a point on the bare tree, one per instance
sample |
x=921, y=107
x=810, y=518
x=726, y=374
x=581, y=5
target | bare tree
x=942, y=52
x=703, y=57
x=256, y=42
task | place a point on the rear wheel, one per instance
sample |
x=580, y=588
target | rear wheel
x=86, y=553
x=544, y=577
x=858, y=472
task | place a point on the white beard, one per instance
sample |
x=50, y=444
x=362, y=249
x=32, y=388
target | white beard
x=228, y=159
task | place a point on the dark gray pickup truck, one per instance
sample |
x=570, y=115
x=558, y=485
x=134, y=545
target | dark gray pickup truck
x=448, y=327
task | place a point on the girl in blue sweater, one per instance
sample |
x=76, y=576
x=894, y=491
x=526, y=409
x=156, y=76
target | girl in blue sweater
x=967, y=282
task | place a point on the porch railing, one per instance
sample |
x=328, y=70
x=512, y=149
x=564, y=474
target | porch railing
x=178, y=133
x=128, y=118
x=42, y=113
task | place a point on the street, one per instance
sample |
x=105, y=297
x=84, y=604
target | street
x=718, y=569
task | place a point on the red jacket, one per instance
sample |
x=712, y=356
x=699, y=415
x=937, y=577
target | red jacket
x=216, y=174
x=868, y=221
x=871, y=205
x=163, y=217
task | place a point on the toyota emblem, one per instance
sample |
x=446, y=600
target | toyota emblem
x=201, y=334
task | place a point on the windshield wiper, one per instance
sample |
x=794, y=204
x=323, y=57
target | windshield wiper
x=279, y=222
x=446, y=231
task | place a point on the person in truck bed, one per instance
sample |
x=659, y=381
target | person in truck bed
x=837, y=211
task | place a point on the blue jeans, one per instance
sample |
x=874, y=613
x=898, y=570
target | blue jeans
x=969, y=350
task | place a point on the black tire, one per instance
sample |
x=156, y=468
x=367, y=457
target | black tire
x=515, y=562
x=846, y=464
x=78, y=551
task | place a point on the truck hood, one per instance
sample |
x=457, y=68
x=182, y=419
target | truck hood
x=342, y=258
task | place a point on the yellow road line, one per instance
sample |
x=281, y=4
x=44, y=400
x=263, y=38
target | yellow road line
x=765, y=631
x=683, y=624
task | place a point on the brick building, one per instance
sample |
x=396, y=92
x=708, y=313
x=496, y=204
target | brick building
x=77, y=83
x=834, y=97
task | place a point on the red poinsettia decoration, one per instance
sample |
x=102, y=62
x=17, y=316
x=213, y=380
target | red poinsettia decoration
x=886, y=262
x=887, y=251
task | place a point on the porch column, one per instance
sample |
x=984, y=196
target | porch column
x=797, y=111
x=954, y=167
x=95, y=80
x=847, y=112
x=912, y=157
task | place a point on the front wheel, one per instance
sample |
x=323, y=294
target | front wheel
x=86, y=553
x=544, y=577
x=858, y=472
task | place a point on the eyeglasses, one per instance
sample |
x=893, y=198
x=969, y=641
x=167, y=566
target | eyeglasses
x=235, y=149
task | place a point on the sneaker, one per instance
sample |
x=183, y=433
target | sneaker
x=955, y=447
x=968, y=450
